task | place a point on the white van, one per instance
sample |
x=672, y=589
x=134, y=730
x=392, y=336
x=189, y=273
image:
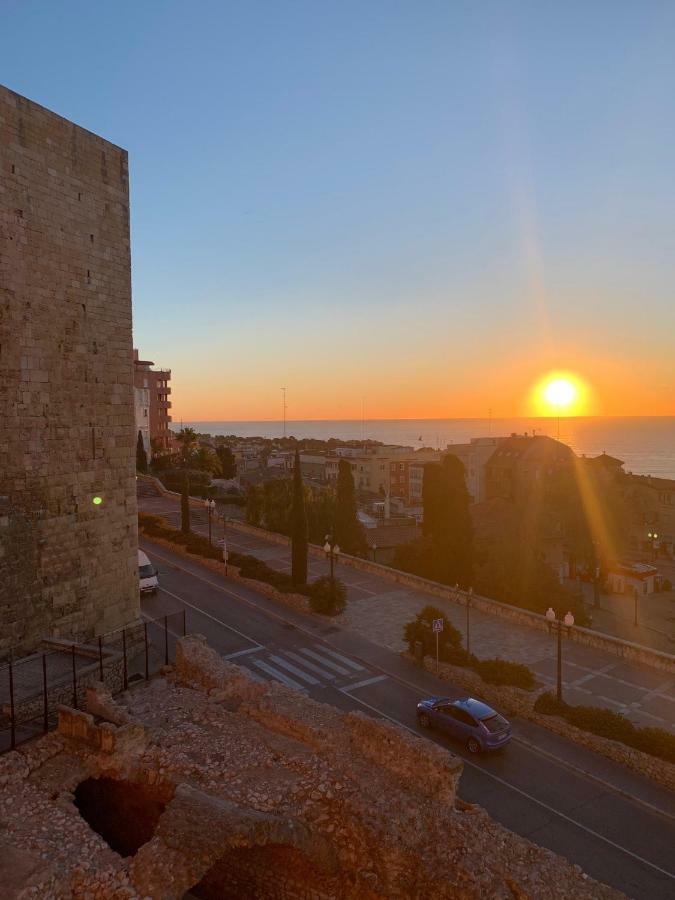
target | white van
x=147, y=575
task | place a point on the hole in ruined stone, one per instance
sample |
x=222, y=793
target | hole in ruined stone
x=256, y=872
x=123, y=813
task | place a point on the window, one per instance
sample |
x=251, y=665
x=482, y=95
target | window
x=462, y=716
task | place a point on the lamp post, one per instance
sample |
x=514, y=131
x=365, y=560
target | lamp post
x=332, y=551
x=374, y=552
x=554, y=623
x=469, y=595
x=635, y=599
x=225, y=555
x=210, y=505
x=653, y=537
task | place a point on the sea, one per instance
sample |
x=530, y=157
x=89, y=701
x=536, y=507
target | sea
x=645, y=444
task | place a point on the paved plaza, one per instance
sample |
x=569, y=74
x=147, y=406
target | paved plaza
x=378, y=609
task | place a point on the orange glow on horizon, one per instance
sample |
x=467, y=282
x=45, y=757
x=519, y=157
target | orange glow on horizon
x=560, y=394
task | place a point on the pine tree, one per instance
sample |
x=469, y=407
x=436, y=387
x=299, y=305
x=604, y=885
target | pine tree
x=298, y=527
x=348, y=532
x=185, y=506
x=141, y=455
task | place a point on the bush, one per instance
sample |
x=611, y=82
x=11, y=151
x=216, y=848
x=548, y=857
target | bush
x=328, y=596
x=612, y=725
x=666, y=585
x=502, y=671
x=420, y=629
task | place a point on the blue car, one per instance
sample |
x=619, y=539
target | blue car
x=473, y=722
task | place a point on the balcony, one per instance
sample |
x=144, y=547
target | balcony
x=163, y=404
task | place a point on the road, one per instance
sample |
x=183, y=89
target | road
x=618, y=827
x=379, y=608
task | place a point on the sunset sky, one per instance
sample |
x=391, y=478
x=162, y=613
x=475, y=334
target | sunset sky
x=422, y=208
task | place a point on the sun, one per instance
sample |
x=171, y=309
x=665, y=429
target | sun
x=559, y=394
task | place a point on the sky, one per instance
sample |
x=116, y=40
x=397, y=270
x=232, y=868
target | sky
x=397, y=209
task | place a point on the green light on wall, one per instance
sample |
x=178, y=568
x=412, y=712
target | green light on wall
x=97, y=501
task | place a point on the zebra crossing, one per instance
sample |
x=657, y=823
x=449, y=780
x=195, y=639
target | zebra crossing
x=304, y=668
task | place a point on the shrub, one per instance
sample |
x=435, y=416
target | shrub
x=612, y=725
x=502, y=671
x=328, y=596
x=420, y=629
x=666, y=585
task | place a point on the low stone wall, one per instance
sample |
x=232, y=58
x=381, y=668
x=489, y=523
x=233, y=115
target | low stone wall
x=517, y=702
x=298, y=602
x=586, y=636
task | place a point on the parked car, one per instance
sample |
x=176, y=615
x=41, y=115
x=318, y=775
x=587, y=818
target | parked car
x=147, y=575
x=471, y=721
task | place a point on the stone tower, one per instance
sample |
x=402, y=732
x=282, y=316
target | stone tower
x=68, y=533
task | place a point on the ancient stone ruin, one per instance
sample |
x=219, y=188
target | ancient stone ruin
x=207, y=783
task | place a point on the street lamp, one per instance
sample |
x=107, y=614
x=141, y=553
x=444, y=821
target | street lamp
x=225, y=555
x=332, y=551
x=210, y=505
x=469, y=595
x=554, y=623
x=653, y=537
x=374, y=552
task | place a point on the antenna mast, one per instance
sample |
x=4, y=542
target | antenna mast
x=283, y=408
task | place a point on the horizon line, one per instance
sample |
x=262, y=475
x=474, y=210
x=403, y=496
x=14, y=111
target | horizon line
x=422, y=419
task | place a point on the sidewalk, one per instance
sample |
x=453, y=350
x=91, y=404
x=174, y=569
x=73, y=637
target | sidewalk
x=378, y=610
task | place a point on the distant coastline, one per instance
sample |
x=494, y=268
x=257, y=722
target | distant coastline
x=645, y=443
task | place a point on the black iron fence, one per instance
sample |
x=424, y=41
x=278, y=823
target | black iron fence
x=33, y=687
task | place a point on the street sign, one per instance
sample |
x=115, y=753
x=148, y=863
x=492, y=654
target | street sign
x=438, y=625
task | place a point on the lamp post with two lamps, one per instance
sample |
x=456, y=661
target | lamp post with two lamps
x=554, y=623
x=653, y=538
x=332, y=552
x=210, y=505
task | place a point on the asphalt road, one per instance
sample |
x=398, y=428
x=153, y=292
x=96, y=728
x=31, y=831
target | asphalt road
x=623, y=840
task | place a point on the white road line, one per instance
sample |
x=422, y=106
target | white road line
x=213, y=618
x=517, y=790
x=275, y=673
x=280, y=661
x=324, y=673
x=242, y=652
x=360, y=684
x=342, y=659
x=325, y=662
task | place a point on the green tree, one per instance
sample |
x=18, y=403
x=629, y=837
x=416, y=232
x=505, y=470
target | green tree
x=207, y=460
x=298, y=527
x=254, y=505
x=228, y=464
x=141, y=455
x=185, y=505
x=348, y=531
x=277, y=500
x=187, y=438
x=421, y=630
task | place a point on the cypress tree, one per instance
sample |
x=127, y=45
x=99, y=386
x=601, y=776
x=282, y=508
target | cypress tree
x=141, y=455
x=447, y=521
x=348, y=531
x=185, y=506
x=298, y=527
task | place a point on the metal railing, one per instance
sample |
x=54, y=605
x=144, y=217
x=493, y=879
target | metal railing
x=33, y=687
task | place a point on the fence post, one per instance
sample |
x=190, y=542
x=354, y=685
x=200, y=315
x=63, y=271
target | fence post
x=166, y=640
x=45, y=723
x=125, y=679
x=184, y=632
x=11, y=704
x=145, y=637
x=74, y=679
x=100, y=657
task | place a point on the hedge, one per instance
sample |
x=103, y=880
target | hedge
x=608, y=724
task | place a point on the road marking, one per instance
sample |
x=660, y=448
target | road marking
x=325, y=662
x=341, y=658
x=360, y=684
x=324, y=673
x=517, y=790
x=310, y=679
x=213, y=618
x=242, y=652
x=271, y=614
x=280, y=676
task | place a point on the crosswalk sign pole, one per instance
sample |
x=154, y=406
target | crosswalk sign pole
x=437, y=653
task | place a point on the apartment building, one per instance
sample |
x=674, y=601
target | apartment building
x=156, y=382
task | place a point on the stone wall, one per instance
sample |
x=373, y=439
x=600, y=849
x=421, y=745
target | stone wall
x=67, y=567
